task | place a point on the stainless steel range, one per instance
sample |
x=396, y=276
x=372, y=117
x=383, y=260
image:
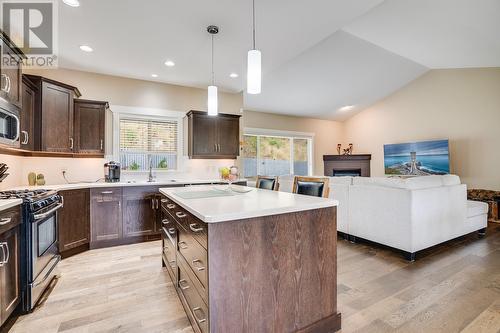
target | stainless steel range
x=39, y=242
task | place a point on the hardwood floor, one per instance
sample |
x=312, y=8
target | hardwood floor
x=452, y=288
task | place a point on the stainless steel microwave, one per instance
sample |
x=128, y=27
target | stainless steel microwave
x=9, y=127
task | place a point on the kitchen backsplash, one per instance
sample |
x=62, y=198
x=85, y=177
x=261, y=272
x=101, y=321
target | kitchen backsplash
x=92, y=169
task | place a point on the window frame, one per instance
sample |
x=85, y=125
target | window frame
x=259, y=132
x=138, y=113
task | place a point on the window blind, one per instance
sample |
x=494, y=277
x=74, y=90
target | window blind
x=146, y=136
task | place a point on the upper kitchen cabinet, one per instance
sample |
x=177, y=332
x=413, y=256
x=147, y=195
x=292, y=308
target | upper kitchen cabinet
x=10, y=71
x=216, y=137
x=55, y=115
x=30, y=99
x=89, y=125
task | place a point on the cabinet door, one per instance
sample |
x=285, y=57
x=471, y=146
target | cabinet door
x=11, y=75
x=27, y=117
x=203, y=136
x=139, y=212
x=106, y=214
x=9, y=276
x=73, y=220
x=89, y=127
x=228, y=133
x=57, y=118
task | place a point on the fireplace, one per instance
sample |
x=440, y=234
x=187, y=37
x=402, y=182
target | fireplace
x=347, y=165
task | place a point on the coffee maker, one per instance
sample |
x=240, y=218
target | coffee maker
x=112, y=172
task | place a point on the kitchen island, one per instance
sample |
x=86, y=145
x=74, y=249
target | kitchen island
x=260, y=261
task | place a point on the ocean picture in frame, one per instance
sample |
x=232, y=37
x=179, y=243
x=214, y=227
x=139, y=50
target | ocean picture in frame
x=417, y=158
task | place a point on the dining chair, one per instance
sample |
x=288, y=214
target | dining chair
x=267, y=183
x=315, y=186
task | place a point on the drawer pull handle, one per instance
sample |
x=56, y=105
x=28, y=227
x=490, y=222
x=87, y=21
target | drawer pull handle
x=171, y=231
x=193, y=227
x=164, y=200
x=107, y=192
x=183, y=287
x=199, y=269
x=170, y=206
x=199, y=320
x=165, y=221
x=183, y=245
x=5, y=221
x=180, y=215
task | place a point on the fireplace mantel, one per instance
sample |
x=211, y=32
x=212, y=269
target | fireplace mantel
x=346, y=164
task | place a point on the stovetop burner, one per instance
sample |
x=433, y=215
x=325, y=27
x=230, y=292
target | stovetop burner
x=30, y=195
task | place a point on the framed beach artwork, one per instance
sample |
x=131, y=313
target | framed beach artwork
x=417, y=158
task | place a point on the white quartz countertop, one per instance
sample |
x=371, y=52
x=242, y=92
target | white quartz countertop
x=8, y=203
x=255, y=203
x=76, y=186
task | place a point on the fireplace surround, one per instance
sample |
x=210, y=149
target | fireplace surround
x=347, y=165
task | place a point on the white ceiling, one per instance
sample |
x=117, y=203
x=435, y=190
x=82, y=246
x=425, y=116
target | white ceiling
x=318, y=55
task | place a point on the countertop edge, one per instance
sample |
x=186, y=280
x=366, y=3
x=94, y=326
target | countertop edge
x=9, y=203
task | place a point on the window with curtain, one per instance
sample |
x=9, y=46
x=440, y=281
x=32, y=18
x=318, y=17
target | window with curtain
x=276, y=155
x=144, y=141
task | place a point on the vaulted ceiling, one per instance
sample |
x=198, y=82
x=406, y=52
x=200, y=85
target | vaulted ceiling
x=318, y=55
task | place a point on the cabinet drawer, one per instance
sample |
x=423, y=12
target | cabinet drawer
x=194, y=254
x=197, y=307
x=106, y=194
x=169, y=252
x=10, y=218
x=193, y=226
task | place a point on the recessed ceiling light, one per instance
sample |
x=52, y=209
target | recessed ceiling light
x=169, y=63
x=233, y=75
x=72, y=3
x=347, y=108
x=154, y=75
x=86, y=48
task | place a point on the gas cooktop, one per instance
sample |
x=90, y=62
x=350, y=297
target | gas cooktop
x=29, y=195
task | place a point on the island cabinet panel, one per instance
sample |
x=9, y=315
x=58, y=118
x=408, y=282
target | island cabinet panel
x=74, y=222
x=140, y=210
x=106, y=216
x=194, y=254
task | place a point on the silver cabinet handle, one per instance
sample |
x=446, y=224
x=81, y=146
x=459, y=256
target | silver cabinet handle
x=26, y=137
x=4, y=256
x=5, y=221
x=4, y=76
x=8, y=84
x=199, y=320
x=215, y=146
x=152, y=204
x=165, y=221
x=171, y=231
x=107, y=192
x=181, y=245
x=180, y=215
x=181, y=282
x=102, y=144
x=199, y=269
x=157, y=203
x=164, y=200
x=193, y=227
x=8, y=253
x=71, y=143
x=170, y=206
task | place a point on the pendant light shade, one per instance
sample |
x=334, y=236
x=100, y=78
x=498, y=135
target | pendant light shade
x=212, y=102
x=254, y=63
x=254, y=70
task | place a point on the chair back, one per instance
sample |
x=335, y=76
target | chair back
x=313, y=186
x=267, y=183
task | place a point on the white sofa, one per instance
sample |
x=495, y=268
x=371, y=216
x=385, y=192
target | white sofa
x=408, y=214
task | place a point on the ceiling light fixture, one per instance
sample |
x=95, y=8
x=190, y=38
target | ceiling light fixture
x=169, y=63
x=347, y=108
x=154, y=75
x=86, y=48
x=72, y=3
x=212, y=102
x=254, y=63
x=233, y=75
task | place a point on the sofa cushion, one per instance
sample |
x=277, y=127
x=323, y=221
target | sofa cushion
x=340, y=180
x=449, y=180
x=475, y=208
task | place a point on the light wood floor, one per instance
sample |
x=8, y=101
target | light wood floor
x=452, y=288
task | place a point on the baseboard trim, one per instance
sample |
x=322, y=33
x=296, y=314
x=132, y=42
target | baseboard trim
x=329, y=324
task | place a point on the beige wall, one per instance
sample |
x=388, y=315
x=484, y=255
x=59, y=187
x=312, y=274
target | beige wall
x=462, y=105
x=326, y=133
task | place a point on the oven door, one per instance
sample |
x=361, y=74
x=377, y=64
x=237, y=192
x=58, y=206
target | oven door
x=9, y=127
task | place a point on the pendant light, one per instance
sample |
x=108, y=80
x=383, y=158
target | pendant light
x=212, y=102
x=254, y=66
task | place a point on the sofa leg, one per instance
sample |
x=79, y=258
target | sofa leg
x=481, y=232
x=410, y=256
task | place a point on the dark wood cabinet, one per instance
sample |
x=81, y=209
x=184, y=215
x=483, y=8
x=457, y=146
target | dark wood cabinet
x=140, y=211
x=10, y=71
x=29, y=97
x=89, y=126
x=213, y=136
x=105, y=216
x=74, y=221
x=10, y=265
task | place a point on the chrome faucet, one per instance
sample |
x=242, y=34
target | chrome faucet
x=151, y=178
